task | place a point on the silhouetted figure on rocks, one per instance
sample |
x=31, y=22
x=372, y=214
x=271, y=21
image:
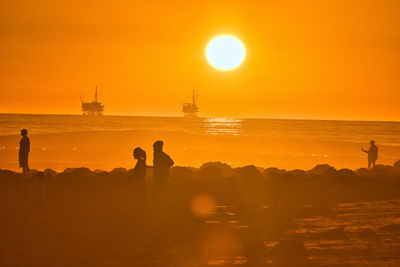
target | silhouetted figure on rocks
x=372, y=154
x=138, y=181
x=24, y=148
x=162, y=163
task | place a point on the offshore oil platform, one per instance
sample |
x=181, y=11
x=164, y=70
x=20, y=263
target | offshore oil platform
x=93, y=108
x=190, y=110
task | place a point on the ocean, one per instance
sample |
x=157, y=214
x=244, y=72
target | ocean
x=62, y=141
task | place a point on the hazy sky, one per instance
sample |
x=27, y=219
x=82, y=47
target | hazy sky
x=306, y=59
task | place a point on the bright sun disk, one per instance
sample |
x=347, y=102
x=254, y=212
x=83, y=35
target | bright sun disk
x=225, y=52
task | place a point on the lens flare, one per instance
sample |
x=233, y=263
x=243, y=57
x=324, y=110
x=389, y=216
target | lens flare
x=202, y=205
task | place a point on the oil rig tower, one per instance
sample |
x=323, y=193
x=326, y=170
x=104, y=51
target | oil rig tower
x=191, y=109
x=93, y=108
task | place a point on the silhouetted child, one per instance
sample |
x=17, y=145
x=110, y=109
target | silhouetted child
x=372, y=154
x=162, y=163
x=138, y=181
x=24, y=148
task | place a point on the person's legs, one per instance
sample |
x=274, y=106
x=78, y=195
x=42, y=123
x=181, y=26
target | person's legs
x=25, y=169
x=27, y=166
x=373, y=163
x=369, y=164
x=23, y=163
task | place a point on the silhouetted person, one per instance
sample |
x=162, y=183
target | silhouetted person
x=372, y=154
x=162, y=163
x=138, y=181
x=24, y=148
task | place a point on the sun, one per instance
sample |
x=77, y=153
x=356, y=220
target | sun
x=225, y=52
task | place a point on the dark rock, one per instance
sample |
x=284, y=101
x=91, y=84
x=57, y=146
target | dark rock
x=273, y=173
x=396, y=165
x=182, y=172
x=347, y=173
x=209, y=172
x=50, y=172
x=78, y=171
x=249, y=172
x=6, y=173
x=362, y=172
x=225, y=168
x=119, y=171
x=323, y=169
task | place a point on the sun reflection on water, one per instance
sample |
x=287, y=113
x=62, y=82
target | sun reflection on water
x=223, y=126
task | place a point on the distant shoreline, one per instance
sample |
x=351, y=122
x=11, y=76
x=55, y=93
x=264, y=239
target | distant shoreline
x=201, y=117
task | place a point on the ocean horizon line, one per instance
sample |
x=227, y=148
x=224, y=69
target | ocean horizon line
x=201, y=117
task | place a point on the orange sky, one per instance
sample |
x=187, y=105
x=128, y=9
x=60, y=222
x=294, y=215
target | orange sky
x=306, y=59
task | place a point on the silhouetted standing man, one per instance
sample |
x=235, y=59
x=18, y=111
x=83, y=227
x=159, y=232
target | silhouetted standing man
x=24, y=148
x=162, y=163
x=372, y=154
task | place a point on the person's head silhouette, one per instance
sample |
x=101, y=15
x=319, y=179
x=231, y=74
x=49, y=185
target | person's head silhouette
x=139, y=154
x=158, y=145
x=24, y=132
x=372, y=142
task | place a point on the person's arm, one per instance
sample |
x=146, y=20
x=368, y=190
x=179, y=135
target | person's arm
x=363, y=150
x=170, y=162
